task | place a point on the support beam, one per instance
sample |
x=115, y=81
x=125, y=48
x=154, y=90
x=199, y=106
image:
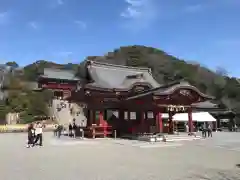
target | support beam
x=217, y=124
x=128, y=115
x=170, y=123
x=121, y=114
x=190, y=121
x=103, y=123
x=159, y=122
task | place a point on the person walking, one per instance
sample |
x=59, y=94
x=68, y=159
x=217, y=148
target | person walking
x=38, y=132
x=55, y=130
x=209, y=130
x=60, y=129
x=74, y=127
x=204, y=130
x=70, y=129
x=30, y=136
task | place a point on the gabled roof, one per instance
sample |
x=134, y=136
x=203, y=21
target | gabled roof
x=59, y=74
x=170, y=88
x=120, y=77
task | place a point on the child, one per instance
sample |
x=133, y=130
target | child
x=30, y=136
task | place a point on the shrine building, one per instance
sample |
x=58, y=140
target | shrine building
x=61, y=82
x=135, y=98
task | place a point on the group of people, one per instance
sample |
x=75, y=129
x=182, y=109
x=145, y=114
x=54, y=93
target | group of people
x=74, y=130
x=35, y=136
x=58, y=129
x=206, y=130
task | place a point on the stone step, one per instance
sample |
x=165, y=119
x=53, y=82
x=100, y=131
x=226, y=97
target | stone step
x=150, y=139
x=186, y=138
x=176, y=137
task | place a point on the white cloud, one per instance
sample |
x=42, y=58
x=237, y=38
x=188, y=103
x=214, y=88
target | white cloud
x=4, y=17
x=194, y=8
x=139, y=14
x=33, y=25
x=56, y=3
x=81, y=24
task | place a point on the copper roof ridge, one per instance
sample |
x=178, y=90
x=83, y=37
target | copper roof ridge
x=121, y=66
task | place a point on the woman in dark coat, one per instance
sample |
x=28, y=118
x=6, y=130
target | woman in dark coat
x=74, y=128
x=30, y=135
x=70, y=129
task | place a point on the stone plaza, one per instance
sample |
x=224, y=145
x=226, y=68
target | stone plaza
x=116, y=159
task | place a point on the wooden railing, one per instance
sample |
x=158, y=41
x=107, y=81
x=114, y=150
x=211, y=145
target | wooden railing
x=98, y=131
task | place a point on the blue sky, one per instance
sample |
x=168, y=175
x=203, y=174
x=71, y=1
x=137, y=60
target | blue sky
x=207, y=31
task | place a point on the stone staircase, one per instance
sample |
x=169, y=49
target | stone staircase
x=64, y=116
x=78, y=115
x=181, y=137
x=166, y=138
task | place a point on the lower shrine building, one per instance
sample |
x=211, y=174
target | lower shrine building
x=61, y=82
x=136, y=98
x=122, y=98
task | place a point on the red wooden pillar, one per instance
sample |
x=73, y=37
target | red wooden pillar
x=160, y=122
x=103, y=123
x=190, y=121
x=170, y=123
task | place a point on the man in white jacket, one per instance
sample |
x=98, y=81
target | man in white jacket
x=38, y=133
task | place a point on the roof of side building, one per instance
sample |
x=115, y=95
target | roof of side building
x=59, y=74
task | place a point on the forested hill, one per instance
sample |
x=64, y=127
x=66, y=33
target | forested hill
x=165, y=68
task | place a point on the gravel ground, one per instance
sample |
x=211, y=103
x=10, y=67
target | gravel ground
x=105, y=159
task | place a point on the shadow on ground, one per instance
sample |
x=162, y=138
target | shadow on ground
x=215, y=175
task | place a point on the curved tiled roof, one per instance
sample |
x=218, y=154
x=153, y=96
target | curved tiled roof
x=117, y=76
x=59, y=74
x=170, y=88
x=205, y=104
x=182, y=84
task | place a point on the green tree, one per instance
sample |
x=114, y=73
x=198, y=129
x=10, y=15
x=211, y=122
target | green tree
x=14, y=83
x=12, y=64
x=37, y=104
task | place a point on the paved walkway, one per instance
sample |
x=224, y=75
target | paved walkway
x=225, y=140
x=108, y=160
